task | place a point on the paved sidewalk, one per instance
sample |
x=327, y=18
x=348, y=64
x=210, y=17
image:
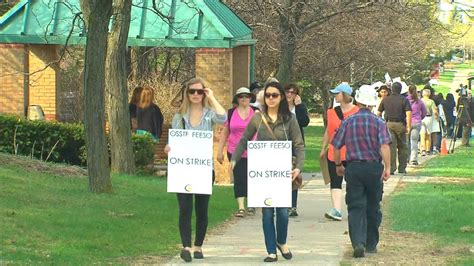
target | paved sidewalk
x=313, y=239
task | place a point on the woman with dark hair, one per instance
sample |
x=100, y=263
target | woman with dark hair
x=382, y=92
x=418, y=112
x=237, y=120
x=298, y=108
x=149, y=116
x=132, y=107
x=448, y=107
x=284, y=126
x=199, y=110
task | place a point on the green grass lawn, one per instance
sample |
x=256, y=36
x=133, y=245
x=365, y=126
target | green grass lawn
x=442, y=88
x=440, y=209
x=313, y=138
x=458, y=164
x=447, y=75
x=56, y=220
x=445, y=82
x=446, y=78
x=466, y=65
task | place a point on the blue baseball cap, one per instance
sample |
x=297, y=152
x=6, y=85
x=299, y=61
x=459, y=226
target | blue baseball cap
x=343, y=87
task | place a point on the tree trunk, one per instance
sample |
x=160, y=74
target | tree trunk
x=326, y=100
x=97, y=14
x=287, y=56
x=117, y=92
x=139, y=58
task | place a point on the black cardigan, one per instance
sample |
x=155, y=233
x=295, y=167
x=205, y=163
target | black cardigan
x=150, y=119
x=302, y=117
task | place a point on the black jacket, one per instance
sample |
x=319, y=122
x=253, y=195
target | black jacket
x=150, y=119
x=302, y=117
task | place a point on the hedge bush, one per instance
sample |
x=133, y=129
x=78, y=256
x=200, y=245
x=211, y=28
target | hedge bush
x=143, y=149
x=37, y=139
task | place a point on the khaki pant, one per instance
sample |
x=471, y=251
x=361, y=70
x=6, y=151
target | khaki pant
x=399, y=142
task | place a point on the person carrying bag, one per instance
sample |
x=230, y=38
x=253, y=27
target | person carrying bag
x=282, y=125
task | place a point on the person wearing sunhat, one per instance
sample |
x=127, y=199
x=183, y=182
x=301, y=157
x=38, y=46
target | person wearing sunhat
x=335, y=116
x=237, y=120
x=367, y=141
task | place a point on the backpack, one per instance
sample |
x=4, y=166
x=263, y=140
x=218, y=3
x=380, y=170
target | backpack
x=230, y=112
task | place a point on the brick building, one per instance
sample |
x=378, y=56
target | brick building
x=29, y=47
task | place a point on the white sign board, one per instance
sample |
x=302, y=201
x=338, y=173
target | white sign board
x=190, y=161
x=269, y=173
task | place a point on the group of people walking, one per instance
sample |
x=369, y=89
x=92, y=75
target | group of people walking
x=419, y=120
x=363, y=135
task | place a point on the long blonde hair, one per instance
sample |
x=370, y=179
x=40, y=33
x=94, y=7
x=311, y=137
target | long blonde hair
x=146, y=98
x=183, y=109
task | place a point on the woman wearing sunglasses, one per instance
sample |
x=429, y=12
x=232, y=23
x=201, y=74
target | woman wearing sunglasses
x=285, y=127
x=199, y=111
x=298, y=108
x=237, y=120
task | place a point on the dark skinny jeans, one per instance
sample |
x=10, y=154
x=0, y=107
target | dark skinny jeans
x=185, y=202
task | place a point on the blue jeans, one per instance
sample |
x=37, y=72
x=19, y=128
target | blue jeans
x=294, y=198
x=272, y=237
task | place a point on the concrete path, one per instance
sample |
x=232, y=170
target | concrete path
x=313, y=239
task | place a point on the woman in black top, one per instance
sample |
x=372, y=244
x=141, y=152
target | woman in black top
x=448, y=105
x=296, y=106
x=149, y=116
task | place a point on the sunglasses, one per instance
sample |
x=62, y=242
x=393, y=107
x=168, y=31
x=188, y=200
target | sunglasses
x=243, y=96
x=193, y=91
x=272, y=95
x=290, y=92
